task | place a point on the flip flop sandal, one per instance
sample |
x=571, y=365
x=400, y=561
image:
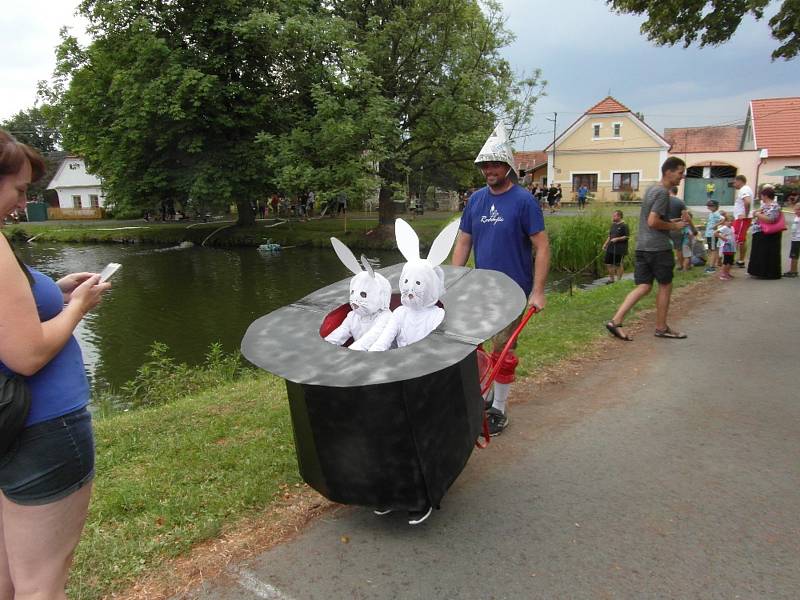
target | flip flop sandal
x=668, y=333
x=613, y=329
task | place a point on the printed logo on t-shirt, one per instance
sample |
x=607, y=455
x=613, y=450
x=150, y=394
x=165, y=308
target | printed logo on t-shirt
x=494, y=216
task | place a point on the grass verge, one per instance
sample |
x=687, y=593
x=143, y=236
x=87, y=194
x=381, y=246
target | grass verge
x=173, y=476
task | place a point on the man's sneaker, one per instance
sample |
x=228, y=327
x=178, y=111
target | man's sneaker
x=740, y=264
x=381, y=511
x=790, y=274
x=415, y=517
x=497, y=421
x=710, y=270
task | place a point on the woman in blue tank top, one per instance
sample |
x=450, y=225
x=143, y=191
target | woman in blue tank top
x=46, y=474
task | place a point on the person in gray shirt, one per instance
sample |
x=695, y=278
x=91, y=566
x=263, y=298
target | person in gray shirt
x=654, y=256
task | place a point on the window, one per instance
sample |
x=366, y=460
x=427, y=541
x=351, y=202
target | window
x=94, y=201
x=793, y=179
x=625, y=182
x=596, y=130
x=617, y=129
x=587, y=179
x=76, y=202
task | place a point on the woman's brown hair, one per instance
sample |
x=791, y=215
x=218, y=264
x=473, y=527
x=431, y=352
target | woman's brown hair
x=13, y=155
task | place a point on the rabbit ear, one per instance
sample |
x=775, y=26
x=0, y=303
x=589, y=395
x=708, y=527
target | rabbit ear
x=443, y=243
x=367, y=266
x=346, y=256
x=407, y=240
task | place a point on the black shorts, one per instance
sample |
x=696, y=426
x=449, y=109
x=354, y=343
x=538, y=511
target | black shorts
x=727, y=258
x=49, y=460
x=614, y=257
x=712, y=243
x=654, y=265
x=794, y=251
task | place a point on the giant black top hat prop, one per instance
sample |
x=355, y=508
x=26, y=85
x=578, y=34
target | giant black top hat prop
x=386, y=429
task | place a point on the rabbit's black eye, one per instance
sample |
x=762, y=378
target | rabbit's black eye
x=352, y=292
x=363, y=294
x=417, y=282
x=406, y=281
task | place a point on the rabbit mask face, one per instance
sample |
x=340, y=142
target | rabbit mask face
x=420, y=284
x=369, y=294
x=422, y=280
x=369, y=291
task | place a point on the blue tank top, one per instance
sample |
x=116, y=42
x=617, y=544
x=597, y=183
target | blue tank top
x=60, y=387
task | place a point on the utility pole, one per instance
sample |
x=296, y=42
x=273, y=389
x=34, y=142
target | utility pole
x=554, y=121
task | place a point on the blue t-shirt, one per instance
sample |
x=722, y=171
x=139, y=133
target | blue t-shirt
x=714, y=219
x=501, y=227
x=60, y=387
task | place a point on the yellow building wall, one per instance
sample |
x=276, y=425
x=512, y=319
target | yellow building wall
x=646, y=163
x=631, y=135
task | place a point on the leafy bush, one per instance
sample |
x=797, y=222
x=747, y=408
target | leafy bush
x=576, y=244
x=161, y=380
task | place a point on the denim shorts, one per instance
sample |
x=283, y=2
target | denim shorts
x=49, y=460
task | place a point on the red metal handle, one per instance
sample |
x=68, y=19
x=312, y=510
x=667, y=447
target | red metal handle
x=488, y=379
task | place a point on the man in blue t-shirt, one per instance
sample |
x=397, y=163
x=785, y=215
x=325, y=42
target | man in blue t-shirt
x=503, y=224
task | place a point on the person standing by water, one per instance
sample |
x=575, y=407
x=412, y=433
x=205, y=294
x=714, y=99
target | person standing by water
x=654, y=253
x=765, y=252
x=616, y=247
x=583, y=191
x=46, y=474
x=503, y=224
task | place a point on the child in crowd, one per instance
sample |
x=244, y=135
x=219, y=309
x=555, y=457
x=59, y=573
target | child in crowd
x=794, y=251
x=687, y=242
x=712, y=221
x=727, y=246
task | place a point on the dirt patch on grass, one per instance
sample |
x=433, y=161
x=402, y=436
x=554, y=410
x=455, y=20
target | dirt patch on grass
x=295, y=507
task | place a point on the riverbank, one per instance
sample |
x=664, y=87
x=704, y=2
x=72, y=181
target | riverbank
x=360, y=230
x=172, y=477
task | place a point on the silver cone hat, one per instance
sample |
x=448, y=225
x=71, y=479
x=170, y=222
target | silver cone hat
x=497, y=148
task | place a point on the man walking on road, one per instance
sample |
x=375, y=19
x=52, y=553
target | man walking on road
x=503, y=223
x=741, y=216
x=654, y=257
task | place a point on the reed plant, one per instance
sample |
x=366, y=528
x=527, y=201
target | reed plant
x=576, y=243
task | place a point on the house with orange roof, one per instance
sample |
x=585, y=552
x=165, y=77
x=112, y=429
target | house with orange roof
x=531, y=166
x=773, y=126
x=611, y=150
x=713, y=157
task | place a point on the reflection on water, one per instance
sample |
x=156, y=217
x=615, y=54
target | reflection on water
x=185, y=298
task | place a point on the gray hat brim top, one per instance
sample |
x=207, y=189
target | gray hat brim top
x=478, y=304
x=497, y=148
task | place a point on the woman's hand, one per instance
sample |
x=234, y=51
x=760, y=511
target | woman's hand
x=68, y=283
x=88, y=294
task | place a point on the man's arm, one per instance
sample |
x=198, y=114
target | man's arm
x=462, y=249
x=654, y=221
x=541, y=266
x=746, y=200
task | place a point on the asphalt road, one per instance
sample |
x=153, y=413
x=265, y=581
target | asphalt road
x=666, y=469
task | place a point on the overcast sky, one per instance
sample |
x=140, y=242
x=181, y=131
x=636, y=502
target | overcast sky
x=583, y=50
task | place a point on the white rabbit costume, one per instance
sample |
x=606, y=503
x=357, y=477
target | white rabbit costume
x=370, y=294
x=421, y=287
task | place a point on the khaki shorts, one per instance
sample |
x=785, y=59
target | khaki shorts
x=500, y=340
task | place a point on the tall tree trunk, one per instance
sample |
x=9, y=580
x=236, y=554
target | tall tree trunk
x=246, y=214
x=385, y=206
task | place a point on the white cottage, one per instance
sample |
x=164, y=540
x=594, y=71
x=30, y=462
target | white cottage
x=80, y=194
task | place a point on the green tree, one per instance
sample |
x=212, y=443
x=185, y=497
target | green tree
x=33, y=127
x=424, y=86
x=437, y=68
x=712, y=21
x=169, y=100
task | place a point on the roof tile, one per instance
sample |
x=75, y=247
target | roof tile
x=777, y=125
x=704, y=139
x=607, y=105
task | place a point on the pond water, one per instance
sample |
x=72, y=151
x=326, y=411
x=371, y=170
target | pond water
x=186, y=298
